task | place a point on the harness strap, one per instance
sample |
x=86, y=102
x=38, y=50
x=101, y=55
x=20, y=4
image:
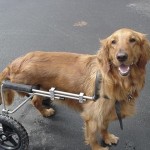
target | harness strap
x=97, y=96
x=97, y=86
x=118, y=112
x=98, y=81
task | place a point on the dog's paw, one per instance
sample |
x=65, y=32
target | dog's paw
x=111, y=139
x=48, y=112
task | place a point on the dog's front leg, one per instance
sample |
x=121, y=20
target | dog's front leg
x=108, y=137
x=91, y=135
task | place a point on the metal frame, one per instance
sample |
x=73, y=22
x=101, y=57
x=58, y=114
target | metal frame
x=52, y=94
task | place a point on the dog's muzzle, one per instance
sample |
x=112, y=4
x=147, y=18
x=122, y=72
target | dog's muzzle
x=122, y=57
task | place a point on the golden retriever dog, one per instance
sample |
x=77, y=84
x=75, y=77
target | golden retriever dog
x=121, y=63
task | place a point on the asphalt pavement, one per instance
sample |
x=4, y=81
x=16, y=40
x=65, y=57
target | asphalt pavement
x=74, y=26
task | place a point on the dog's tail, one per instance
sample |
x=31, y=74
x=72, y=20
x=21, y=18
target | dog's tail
x=4, y=74
x=7, y=93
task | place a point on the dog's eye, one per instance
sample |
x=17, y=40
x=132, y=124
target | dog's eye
x=132, y=40
x=113, y=42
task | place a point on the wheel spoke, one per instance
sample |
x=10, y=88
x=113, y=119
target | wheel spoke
x=12, y=141
x=2, y=142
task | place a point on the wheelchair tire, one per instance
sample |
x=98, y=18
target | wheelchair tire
x=13, y=135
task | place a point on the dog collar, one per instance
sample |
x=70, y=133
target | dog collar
x=130, y=97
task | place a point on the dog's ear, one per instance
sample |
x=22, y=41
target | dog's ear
x=145, y=47
x=103, y=55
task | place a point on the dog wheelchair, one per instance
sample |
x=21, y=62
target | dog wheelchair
x=13, y=136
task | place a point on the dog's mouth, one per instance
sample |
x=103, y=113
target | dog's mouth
x=124, y=69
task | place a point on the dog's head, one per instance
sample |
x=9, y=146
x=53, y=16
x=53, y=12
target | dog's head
x=123, y=49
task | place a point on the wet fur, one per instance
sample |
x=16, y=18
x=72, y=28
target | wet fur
x=76, y=73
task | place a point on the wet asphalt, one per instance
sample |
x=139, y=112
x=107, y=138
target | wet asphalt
x=74, y=26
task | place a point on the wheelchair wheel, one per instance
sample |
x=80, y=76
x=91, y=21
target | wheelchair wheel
x=13, y=135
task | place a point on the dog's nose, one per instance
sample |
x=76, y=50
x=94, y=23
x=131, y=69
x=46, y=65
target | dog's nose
x=122, y=56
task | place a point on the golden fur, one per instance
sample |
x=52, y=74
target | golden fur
x=76, y=73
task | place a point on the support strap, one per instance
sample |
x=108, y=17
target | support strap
x=118, y=112
x=97, y=86
x=97, y=95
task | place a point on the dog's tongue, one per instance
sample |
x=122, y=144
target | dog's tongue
x=124, y=70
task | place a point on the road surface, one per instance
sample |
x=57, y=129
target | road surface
x=74, y=26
